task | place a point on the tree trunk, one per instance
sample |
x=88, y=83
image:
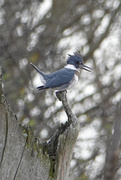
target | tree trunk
x=22, y=157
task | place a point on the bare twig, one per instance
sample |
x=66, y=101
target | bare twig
x=71, y=117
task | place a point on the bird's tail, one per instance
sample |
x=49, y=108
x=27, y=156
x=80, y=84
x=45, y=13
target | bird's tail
x=37, y=69
x=43, y=76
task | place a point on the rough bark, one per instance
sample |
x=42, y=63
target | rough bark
x=22, y=157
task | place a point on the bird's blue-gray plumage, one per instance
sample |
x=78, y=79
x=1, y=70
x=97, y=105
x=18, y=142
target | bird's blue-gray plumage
x=63, y=78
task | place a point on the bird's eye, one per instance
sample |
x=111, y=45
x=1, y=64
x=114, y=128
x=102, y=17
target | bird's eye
x=77, y=62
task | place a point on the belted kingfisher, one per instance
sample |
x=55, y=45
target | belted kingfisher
x=65, y=78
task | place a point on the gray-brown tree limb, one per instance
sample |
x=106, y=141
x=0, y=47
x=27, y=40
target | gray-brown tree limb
x=114, y=148
x=22, y=157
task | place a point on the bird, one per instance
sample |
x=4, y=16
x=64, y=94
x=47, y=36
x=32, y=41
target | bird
x=64, y=78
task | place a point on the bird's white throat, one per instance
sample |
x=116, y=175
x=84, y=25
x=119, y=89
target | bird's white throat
x=71, y=66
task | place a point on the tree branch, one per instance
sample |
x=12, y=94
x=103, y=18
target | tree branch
x=71, y=117
x=113, y=150
x=66, y=141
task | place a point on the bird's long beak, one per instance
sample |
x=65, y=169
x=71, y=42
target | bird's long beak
x=86, y=68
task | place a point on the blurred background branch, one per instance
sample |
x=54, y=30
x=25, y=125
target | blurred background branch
x=113, y=149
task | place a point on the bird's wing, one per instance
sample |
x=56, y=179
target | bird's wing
x=59, y=78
